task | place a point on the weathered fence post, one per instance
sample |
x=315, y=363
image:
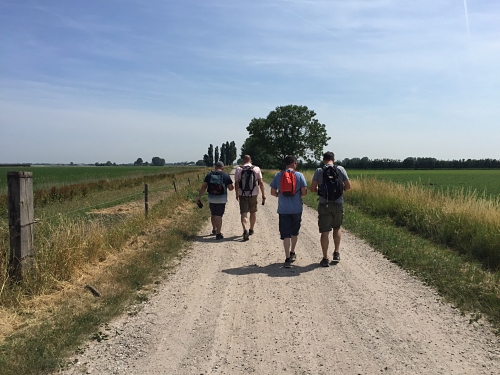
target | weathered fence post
x=21, y=222
x=175, y=187
x=189, y=182
x=146, y=199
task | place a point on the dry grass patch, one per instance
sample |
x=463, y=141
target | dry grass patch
x=32, y=311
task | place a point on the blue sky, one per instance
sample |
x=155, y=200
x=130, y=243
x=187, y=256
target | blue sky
x=95, y=80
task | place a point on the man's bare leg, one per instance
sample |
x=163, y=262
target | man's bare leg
x=325, y=242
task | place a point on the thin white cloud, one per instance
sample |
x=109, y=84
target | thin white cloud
x=466, y=12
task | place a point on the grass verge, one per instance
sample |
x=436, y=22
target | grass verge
x=75, y=315
x=462, y=280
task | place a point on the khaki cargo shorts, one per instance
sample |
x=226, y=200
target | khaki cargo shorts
x=248, y=204
x=330, y=217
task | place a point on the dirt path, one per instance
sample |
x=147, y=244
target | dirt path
x=231, y=308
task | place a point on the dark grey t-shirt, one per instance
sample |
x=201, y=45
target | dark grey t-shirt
x=318, y=176
x=219, y=199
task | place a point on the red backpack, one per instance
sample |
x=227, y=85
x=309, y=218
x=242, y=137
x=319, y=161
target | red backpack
x=288, y=183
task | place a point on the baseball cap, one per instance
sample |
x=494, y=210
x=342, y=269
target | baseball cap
x=219, y=164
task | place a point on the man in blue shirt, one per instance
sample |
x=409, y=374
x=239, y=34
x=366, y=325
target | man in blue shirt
x=289, y=208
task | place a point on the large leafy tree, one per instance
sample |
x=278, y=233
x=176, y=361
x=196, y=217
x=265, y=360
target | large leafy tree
x=253, y=147
x=216, y=158
x=288, y=130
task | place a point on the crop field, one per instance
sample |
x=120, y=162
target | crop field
x=48, y=176
x=481, y=182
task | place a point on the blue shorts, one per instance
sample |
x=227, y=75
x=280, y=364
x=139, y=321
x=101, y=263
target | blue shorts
x=289, y=225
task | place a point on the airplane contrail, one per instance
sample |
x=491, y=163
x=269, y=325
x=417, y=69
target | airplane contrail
x=466, y=17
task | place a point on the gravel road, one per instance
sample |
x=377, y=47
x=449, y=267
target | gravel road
x=231, y=308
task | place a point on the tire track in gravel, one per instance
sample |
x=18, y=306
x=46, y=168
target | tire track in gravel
x=231, y=308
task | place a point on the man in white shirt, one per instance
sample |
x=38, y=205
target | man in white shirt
x=248, y=181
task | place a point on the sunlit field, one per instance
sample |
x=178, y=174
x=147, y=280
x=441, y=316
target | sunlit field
x=459, y=209
x=47, y=176
x=481, y=182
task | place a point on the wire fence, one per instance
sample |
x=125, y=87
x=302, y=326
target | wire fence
x=106, y=207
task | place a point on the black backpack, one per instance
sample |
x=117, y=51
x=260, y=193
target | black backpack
x=216, y=184
x=332, y=187
x=247, y=180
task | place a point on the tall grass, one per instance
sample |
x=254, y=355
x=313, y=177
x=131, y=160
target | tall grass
x=461, y=220
x=67, y=241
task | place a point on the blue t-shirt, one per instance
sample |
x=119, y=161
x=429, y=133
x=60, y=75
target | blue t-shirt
x=292, y=204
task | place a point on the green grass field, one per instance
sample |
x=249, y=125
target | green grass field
x=47, y=176
x=485, y=182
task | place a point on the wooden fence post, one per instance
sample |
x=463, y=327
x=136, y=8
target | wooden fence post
x=146, y=199
x=21, y=222
x=175, y=187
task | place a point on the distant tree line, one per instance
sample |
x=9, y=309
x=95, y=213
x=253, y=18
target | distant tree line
x=107, y=164
x=227, y=154
x=419, y=163
x=156, y=161
x=181, y=163
x=15, y=164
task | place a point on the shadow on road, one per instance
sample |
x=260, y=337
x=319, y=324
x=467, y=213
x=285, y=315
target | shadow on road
x=272, y=270
x=211, y=238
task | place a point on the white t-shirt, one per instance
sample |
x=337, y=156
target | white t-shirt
x=258, y=176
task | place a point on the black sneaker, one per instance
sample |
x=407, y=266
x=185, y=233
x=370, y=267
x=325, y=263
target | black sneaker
x=292, y=257
x=324, y=263
x=245, y=235
x=219, y=236
x=250, y=232
x=336, y=257
x=288, y=263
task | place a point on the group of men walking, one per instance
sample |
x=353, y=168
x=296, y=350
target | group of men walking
x=289, y=186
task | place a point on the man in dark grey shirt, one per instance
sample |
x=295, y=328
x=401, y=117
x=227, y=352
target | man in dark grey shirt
x=330, y=209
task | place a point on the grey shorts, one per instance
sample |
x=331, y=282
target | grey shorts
x=330, y=217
